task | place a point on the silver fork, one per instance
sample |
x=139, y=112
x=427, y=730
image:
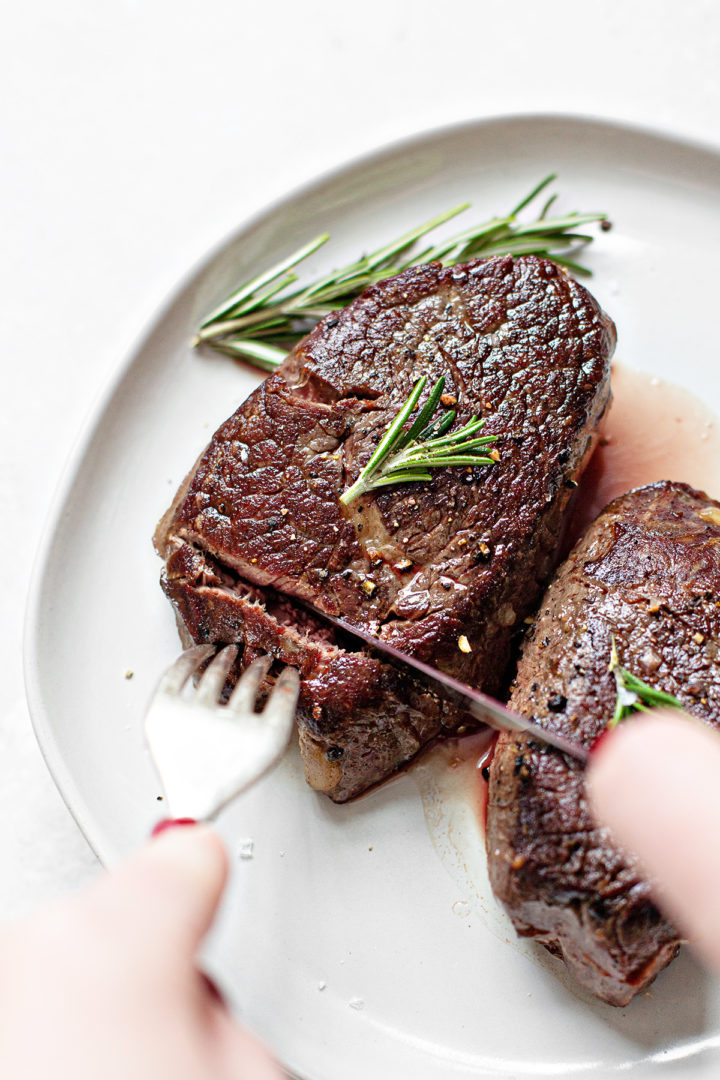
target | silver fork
x=207, y=753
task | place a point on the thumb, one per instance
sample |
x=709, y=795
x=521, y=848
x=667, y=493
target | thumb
x=655, y=782
x=166, y=895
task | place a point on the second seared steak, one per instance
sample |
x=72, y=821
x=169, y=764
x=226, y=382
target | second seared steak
x=648, y=574
x=258, y=528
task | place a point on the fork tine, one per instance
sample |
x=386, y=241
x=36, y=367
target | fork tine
x=280, y=709
x=242, y=699
x=186, y=664
x=213, y=680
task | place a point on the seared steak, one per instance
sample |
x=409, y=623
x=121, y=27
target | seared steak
x=258, y=529
x=648, y=573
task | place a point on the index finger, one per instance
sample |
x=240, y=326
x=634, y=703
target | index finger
x=655, y=782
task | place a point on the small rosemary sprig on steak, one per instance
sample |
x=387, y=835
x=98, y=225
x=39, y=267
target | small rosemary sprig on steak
x=264, y=318
x=404, y=456
x=634, y=695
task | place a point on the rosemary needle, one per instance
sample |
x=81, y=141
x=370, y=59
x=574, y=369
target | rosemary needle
x=634, y=695
x=263, y=318
x=403, y=456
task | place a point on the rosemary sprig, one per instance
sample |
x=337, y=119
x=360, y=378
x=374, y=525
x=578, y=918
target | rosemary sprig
x=634, y=695
x=264, y=317
x=403, y=456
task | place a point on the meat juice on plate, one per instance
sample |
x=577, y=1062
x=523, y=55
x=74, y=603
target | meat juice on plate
x=656, y=430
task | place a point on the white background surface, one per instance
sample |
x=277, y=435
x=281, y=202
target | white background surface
x=134, y=136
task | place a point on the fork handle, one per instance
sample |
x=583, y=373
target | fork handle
x=170, y=823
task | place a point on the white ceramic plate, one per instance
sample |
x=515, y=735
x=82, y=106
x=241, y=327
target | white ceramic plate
x=357, y=940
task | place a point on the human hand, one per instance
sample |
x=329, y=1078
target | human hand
x=655, y=782
x=105, y=984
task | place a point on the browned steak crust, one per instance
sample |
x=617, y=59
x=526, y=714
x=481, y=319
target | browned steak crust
x=518, y=342
x=647, y=572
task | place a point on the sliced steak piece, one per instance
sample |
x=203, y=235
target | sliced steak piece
x=392, y=714
x=648, y=573
x=466, y=553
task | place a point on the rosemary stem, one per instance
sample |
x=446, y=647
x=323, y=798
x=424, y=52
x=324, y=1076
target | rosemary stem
x=272, y=307
x=407, y=455
x=354, y=491
x=231, y=326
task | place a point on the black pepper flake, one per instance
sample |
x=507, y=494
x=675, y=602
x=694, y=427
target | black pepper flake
x=523, y=769
x=334, y=753
x=486, y=772
x=571, y=483
x=447, y=585
x=483, y=552
x=221, y=507
x=333, y=322
x=557, y=703
x=606, y=225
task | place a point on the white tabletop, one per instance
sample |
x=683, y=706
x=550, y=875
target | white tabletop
x=135, y=135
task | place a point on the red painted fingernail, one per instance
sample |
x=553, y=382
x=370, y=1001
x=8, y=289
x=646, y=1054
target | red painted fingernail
x=599, y=741
x=170, y=823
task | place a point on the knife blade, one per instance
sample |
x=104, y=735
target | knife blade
x=484, y=708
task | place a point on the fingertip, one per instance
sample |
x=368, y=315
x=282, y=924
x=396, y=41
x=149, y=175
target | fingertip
x=649, y=747
x=165, y=895
x=654, y=784
x=197, y=854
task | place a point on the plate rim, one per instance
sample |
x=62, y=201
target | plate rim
x=32, y=661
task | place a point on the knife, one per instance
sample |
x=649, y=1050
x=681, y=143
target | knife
x=485, y=709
